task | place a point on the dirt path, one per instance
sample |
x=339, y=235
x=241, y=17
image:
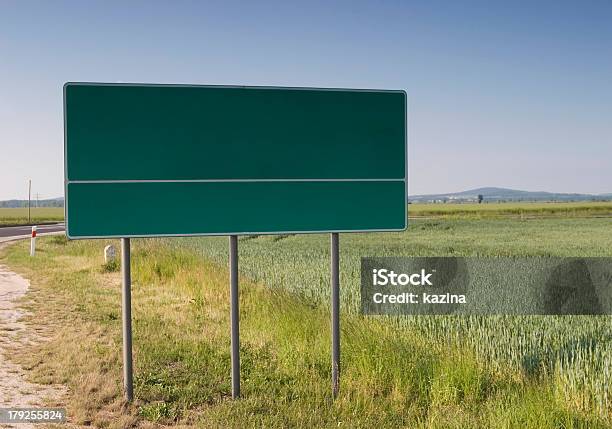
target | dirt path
x=15, y=391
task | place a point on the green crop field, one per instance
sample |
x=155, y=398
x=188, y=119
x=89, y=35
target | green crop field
x=19, y=216
x=419, y=371
x=575, y=351
x=512, y=209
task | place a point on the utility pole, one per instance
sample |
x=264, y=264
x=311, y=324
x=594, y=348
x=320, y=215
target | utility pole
x=37, y=199
x=29, y=198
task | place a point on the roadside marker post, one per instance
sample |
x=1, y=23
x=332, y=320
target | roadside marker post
x=303, y=160
x=110, y=254
x=33, y=242
x=126, y=319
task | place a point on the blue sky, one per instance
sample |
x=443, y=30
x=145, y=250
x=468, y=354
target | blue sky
x=513, y=94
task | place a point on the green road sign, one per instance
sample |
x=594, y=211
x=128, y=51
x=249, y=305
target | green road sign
x=164, y=160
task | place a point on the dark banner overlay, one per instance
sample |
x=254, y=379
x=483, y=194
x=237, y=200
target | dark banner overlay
x=513, y=286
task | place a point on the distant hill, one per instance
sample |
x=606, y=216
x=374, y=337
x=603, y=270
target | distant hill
x=52, y=202
x=489, y=194
x=503, y=194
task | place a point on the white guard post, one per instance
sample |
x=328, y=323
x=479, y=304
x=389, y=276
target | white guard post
x=33, y=242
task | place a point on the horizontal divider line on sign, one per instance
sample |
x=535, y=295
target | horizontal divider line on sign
x=232, y=180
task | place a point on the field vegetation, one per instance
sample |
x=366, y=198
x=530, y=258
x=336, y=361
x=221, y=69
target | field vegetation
x=422, y=371
x=19, y=216
x=524, y=210
x=573, y=352
x=519, y=210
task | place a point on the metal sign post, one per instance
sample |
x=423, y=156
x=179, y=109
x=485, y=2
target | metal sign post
x=234, y=315
x=126, y=305
x=335, y=312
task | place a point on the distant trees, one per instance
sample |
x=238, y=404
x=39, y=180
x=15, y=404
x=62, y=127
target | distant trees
x=480, y=198
x=58, y=202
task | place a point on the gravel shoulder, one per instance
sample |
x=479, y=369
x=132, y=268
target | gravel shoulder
x=15, y=390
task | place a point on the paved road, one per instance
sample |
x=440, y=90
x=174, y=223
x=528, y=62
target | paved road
x=12, y=232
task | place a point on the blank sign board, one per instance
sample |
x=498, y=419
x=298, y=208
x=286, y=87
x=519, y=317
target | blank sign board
x=165, y=160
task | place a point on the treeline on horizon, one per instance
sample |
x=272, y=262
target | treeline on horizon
x=11, y=204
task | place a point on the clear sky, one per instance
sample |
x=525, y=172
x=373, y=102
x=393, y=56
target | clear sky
x=517, y=94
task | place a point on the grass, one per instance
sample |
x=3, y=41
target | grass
x=512, y=210
x=19, y=216
x=421, y=372
x=576, y=351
